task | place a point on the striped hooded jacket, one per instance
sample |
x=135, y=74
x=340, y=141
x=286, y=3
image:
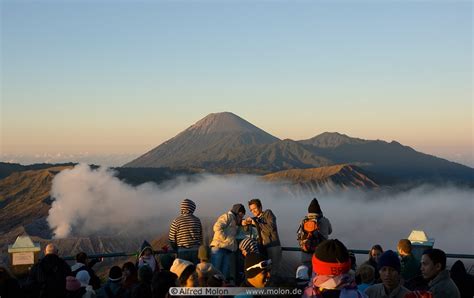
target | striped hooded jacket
x=186, y=229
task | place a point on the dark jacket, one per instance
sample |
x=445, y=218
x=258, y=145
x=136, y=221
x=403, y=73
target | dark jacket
x=94, y=281
x=9, y=287
x=267, y=229
x=48, y=277
x=410, y=267
x=463, y=280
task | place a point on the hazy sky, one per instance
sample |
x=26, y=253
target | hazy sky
x=124, y=76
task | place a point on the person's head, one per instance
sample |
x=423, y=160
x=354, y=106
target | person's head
x=255, y=206
x=404, y=247
x=187, y=206
x=146, y=250
x=81, y=258
x=145, y=274
x=239, y=211
x=248, y=245
x=433, y=261
x=186, y=272
x=83, y=277
x=203, y=253
x=215, y=280
x=161, y=282
x=51, y=249
x=115, y=274
x=375, y=252
x=129, y=271
x=366, y=274
x=389, y=269
x=257, y=270
x=331, y=257
x=72, y=284
x=314, y=207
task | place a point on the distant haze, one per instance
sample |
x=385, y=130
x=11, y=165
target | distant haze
x=94, y=202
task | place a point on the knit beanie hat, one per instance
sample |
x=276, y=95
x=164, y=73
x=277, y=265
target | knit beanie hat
x=238, y=208
x=249, y=245
x=331, y=258
x=115, y=273
x=187, y=206
x=314, y=207
x=203, y=253
x=389, y=259
x=72, y=284
x=251, y=260
x=179, y=265
x=83, y=277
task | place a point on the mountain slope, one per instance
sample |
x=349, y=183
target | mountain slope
x=25, y=200
x=391, y=162
x=323, y=179
x=212, y=135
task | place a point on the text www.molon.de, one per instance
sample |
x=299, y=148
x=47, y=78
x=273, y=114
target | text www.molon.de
x=233, y=291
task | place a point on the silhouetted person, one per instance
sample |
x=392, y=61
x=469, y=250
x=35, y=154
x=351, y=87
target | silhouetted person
x=410, y=267
x=47, y=278
x=83, y=263
x=463, y=280
x=9, y=287
x=374, y=254
x=113, y=287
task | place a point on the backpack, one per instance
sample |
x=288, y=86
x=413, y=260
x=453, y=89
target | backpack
x=308, y=234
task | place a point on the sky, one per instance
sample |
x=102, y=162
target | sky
x=89, y=78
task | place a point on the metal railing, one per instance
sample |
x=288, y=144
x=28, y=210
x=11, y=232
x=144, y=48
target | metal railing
x=284, y=248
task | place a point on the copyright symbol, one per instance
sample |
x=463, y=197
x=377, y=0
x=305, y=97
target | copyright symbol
x=173, y=291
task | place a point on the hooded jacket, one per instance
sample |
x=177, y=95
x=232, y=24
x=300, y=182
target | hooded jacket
x=147, y=260
x=186, y=229
x=225, y=230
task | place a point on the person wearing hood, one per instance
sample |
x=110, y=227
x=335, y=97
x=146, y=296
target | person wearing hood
x=314, y=229
x=84, y=278
x=433, y=269
x=224, y=243
x=143, y=290
x=185, y=235
x=146, y=257
x=186, y=273
x=205, y=269
x=47, y=278
x=332, y=278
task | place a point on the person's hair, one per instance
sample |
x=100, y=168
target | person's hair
x=161, y=282
x=404, y=245
x=186, y=274
x=375, y=247
x=81, y=257
x=256, y=202
x=437, y=256
x=366, y=273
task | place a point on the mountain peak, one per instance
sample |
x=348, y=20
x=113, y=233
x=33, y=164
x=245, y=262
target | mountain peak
x=222, y=123
x=332, y=140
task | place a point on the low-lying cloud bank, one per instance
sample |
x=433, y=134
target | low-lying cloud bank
x=91, y=201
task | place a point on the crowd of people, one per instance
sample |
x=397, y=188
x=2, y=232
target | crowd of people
x=246, y=252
